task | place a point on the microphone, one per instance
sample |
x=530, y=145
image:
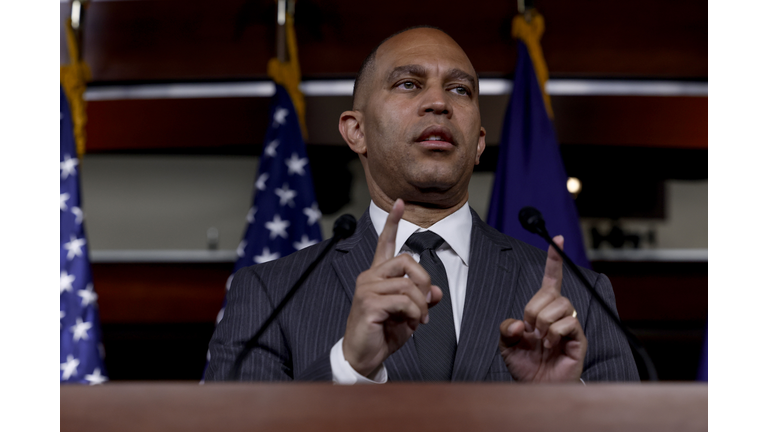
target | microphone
x=532, y=220
x=344, y=227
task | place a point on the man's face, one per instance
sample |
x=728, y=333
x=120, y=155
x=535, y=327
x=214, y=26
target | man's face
x=421, y=120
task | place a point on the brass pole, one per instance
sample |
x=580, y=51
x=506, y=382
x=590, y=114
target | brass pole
x=77, y=17
x=282, y=55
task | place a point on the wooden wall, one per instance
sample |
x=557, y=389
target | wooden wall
x=234, y=39
x=157, y=318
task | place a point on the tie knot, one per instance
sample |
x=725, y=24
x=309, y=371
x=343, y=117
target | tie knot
x=421, y=241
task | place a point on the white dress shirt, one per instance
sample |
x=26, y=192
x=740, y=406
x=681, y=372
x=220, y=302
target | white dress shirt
x=456, y=230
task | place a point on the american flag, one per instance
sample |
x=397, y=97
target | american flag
x=284, y=217
x=81, y=355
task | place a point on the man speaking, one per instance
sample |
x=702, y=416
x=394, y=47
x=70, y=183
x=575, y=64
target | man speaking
x=423, y=290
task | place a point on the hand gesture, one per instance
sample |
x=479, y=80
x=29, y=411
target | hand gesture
x=549, y=344
x=387, y=306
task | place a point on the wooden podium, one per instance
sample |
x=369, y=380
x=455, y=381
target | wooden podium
x=393, y=407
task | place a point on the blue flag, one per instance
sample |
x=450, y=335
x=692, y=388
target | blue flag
x=530, y=171
x=284, y=217
x=81, y=354
x=703, y=373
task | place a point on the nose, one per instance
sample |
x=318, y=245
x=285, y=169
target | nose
x=435, y=100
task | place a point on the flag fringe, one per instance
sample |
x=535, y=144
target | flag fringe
x=530, y=31
x=288, y=74
x=73, y=78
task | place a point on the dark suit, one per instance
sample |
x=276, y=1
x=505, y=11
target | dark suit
x=504, y=274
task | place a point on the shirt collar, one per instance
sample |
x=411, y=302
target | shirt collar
x=455, y=229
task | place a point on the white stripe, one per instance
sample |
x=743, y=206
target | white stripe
x=495, y=86
x=160, y=256
x=488, y=87
x=657, y=255
x=328, y=87
x=148, y=256
x=626, y=88
x=100, y=1
x=182, y=91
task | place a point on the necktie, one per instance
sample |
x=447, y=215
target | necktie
x=436, y=341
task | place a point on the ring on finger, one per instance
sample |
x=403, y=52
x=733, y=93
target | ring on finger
x=574, y=313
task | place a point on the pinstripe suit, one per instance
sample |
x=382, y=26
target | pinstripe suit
x=504, y=274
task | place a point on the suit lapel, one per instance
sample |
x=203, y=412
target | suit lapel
x=357, y=255
x=490, y=292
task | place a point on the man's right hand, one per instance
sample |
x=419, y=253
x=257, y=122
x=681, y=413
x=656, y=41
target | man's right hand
x=387, y=306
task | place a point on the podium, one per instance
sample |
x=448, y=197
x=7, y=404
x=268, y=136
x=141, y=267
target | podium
x=230, y=407
x=392, y=407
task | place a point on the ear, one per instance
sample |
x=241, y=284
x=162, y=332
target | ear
x=480, y=145
x=351, y=129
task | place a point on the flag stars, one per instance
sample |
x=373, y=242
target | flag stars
x=74, y=247
x=63, y=201
x=78, y=214
x=286, y=195
x=80, y=329
x=69, y=367
x=88, y=295
x=313, y=214
x=271, y=148
x=96, y=377
x=305, y=242
x=241, y=248
x=279, y=117
x=66, y=282
x=261, y=182
x=277, y=228
x=266, y=256
x=67, y=166
x=296, y=164
x=251, y=213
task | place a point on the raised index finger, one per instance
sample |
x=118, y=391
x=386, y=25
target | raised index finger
x=553, y=271
x=385, y=249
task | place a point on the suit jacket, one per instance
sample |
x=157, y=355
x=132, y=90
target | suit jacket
x=504, y=273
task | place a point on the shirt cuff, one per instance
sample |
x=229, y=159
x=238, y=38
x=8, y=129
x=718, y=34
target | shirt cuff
x=344, y=373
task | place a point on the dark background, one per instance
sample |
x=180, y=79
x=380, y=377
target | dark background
x=157, y=318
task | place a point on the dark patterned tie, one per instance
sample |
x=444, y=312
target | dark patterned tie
x=436, y=341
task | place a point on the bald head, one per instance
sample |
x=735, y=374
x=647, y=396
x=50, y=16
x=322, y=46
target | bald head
x=415, y=121
x=399, y=40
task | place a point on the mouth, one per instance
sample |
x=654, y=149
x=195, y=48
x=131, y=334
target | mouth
x=436, y=138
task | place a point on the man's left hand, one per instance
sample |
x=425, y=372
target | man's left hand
x=548, y=345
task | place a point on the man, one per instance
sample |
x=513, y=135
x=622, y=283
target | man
x=427, y=291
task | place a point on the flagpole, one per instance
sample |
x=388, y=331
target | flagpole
x=77, y=17
x=525, y=8
x=284, y=9
x=75, y=75
x=284, y=67
x=281, y=12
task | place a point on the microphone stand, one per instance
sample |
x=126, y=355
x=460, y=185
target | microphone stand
x=536, y=226
x=343, y=227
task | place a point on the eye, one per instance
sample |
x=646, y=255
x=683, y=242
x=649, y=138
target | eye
x=461, y=91
x=407, y=85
